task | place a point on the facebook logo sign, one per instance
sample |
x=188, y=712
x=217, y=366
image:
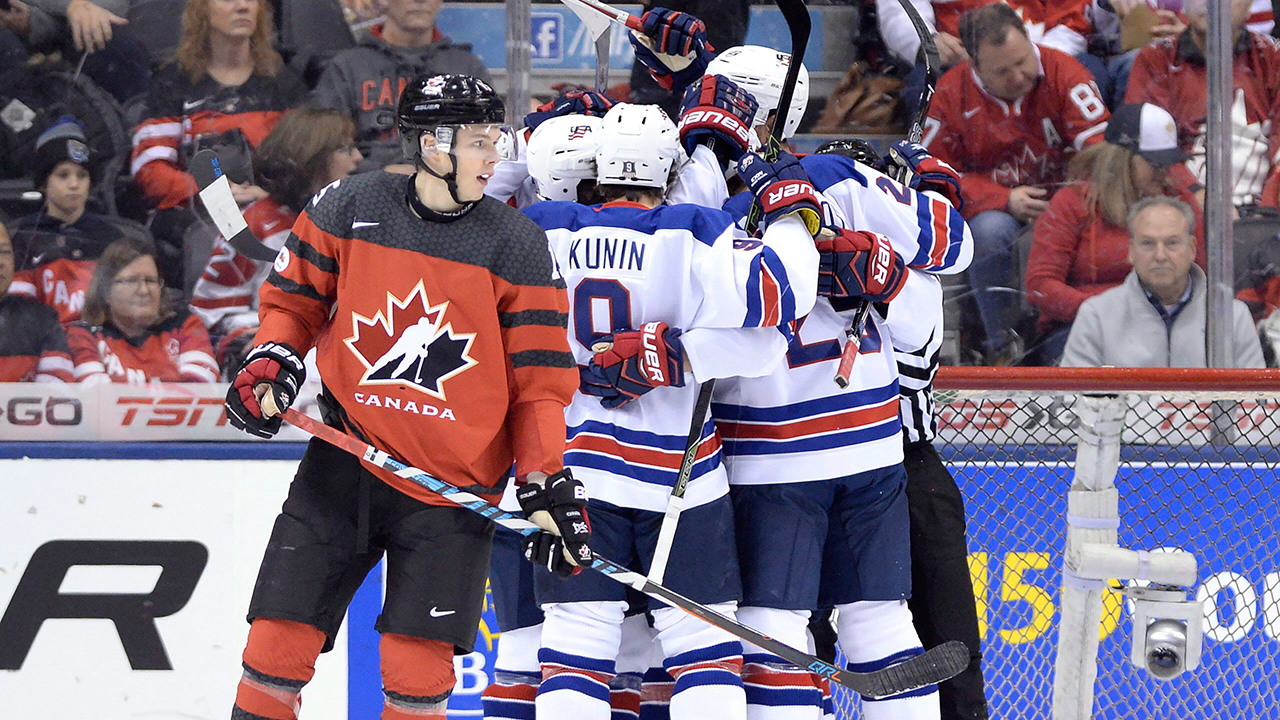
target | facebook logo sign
x=547, y=33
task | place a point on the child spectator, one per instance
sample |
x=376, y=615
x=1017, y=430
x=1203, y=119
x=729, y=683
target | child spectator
x=129, y=334
x=1008, y=120
x=225, y=90
x=61, y=243
x=1081, y=245
x=1156, y=318
x=307, y=150
x=1172, y=74
x=365, y=81
x=32, y=344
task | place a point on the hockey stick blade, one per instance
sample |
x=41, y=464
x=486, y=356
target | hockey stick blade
x=215, y=194
x=796, y=14
x=591, y=13
x=936, y=665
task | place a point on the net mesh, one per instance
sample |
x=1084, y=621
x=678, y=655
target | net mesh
x=1197, y=472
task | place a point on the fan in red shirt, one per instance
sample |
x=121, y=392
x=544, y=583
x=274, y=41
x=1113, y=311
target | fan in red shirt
x=128, y=334
x=1008, y=120
x=1172, y=74
x=32, y=345
x=1081, y=242
x=306, y=151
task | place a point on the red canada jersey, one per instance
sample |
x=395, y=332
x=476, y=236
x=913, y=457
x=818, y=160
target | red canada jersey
x=444, y=341
x=175, y=350
x=1039, y=16
x=1171, y=73
x=997, y=145
x=58, y=259
x=32, y=344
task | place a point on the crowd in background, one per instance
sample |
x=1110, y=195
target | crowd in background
x=1078, y=126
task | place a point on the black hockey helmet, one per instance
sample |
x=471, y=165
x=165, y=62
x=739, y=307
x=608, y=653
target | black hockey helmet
x=440, y=105
x=854, y=149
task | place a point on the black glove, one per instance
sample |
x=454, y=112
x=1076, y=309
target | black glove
x=558, y=505
x=547, y=549
x=275, y=364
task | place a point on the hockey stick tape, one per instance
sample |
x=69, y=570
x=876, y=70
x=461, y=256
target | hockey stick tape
x=222, y=208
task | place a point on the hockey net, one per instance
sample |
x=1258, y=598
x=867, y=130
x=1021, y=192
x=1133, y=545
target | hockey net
x=1197, y=471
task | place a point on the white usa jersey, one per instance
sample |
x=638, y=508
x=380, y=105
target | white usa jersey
x=687, y=266
x=926, y=230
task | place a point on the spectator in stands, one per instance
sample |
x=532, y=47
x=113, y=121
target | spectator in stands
x=1172, y=74
x=1156, y=318
x=365, y=81
x=15, y=25
x=307, y=150
x=129, y=334
x=32, y=344
x=1059, y=24
x=1109, y=16
x=60, y=244
x=1008, y=120
x=1081, y=243
x=225, y=90
x=116, y=59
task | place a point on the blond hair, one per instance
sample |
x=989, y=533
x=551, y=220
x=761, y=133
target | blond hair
x=194, y=48
x=1107, y=172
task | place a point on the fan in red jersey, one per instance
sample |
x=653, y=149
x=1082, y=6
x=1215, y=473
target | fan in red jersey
x=32, y=345
x=1172, y=74
x=1008, y=120
x=306, y=151
x=128, y=334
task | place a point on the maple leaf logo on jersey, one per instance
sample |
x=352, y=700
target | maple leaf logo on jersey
x=410, y=344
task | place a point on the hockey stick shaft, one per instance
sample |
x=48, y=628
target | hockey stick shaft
x=797, y=16
x=936, y=665
x=932, y=68
x=675, y=504
x=585, y=9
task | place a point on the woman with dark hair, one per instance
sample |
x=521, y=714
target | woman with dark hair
x=129, y=333
x=306, y=151
x=1080, y=244
x=225, y=89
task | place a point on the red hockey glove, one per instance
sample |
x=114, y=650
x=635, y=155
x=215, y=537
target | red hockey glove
x=781, y=187
x=635, y=362
x=273, y=364
x=859, y=264
x=924, y=171
x=674, y=48
x=715, y=107
x=558, y=505
x=574, y=102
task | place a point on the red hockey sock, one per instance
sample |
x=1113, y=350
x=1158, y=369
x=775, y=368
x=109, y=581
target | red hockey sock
x=417, y=677
x=279, y=658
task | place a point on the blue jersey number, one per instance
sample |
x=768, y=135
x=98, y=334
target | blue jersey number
x=800, y=354
x=593, y=294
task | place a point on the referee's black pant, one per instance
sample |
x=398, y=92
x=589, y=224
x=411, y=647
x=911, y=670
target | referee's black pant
x=942, y=600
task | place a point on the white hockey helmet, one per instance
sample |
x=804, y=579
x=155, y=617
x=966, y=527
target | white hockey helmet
x=562, y=153
x=639, y=145
x=762, y=71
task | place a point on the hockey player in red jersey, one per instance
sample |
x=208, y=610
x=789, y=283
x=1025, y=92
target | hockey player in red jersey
x=1009, y=120
x=1173, y=75
x=438, y=320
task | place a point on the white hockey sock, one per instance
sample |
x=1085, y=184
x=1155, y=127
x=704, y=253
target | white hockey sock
x=517, y=675
x=776, y=689
x=875, y=635
x=706, y=663
x=579, y=644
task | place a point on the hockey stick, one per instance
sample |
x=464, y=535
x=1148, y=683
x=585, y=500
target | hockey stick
x=597, y=15
x=936, y=665
x=932, y=65
x=798, y=22
x=215, y=194
x=675, y=504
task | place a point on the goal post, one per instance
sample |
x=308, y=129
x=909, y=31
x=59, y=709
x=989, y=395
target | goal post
x=1077, y=478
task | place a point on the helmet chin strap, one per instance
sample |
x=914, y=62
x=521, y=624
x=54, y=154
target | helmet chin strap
x=450, y=178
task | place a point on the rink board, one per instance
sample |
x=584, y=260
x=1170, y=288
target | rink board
x=225, y=496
